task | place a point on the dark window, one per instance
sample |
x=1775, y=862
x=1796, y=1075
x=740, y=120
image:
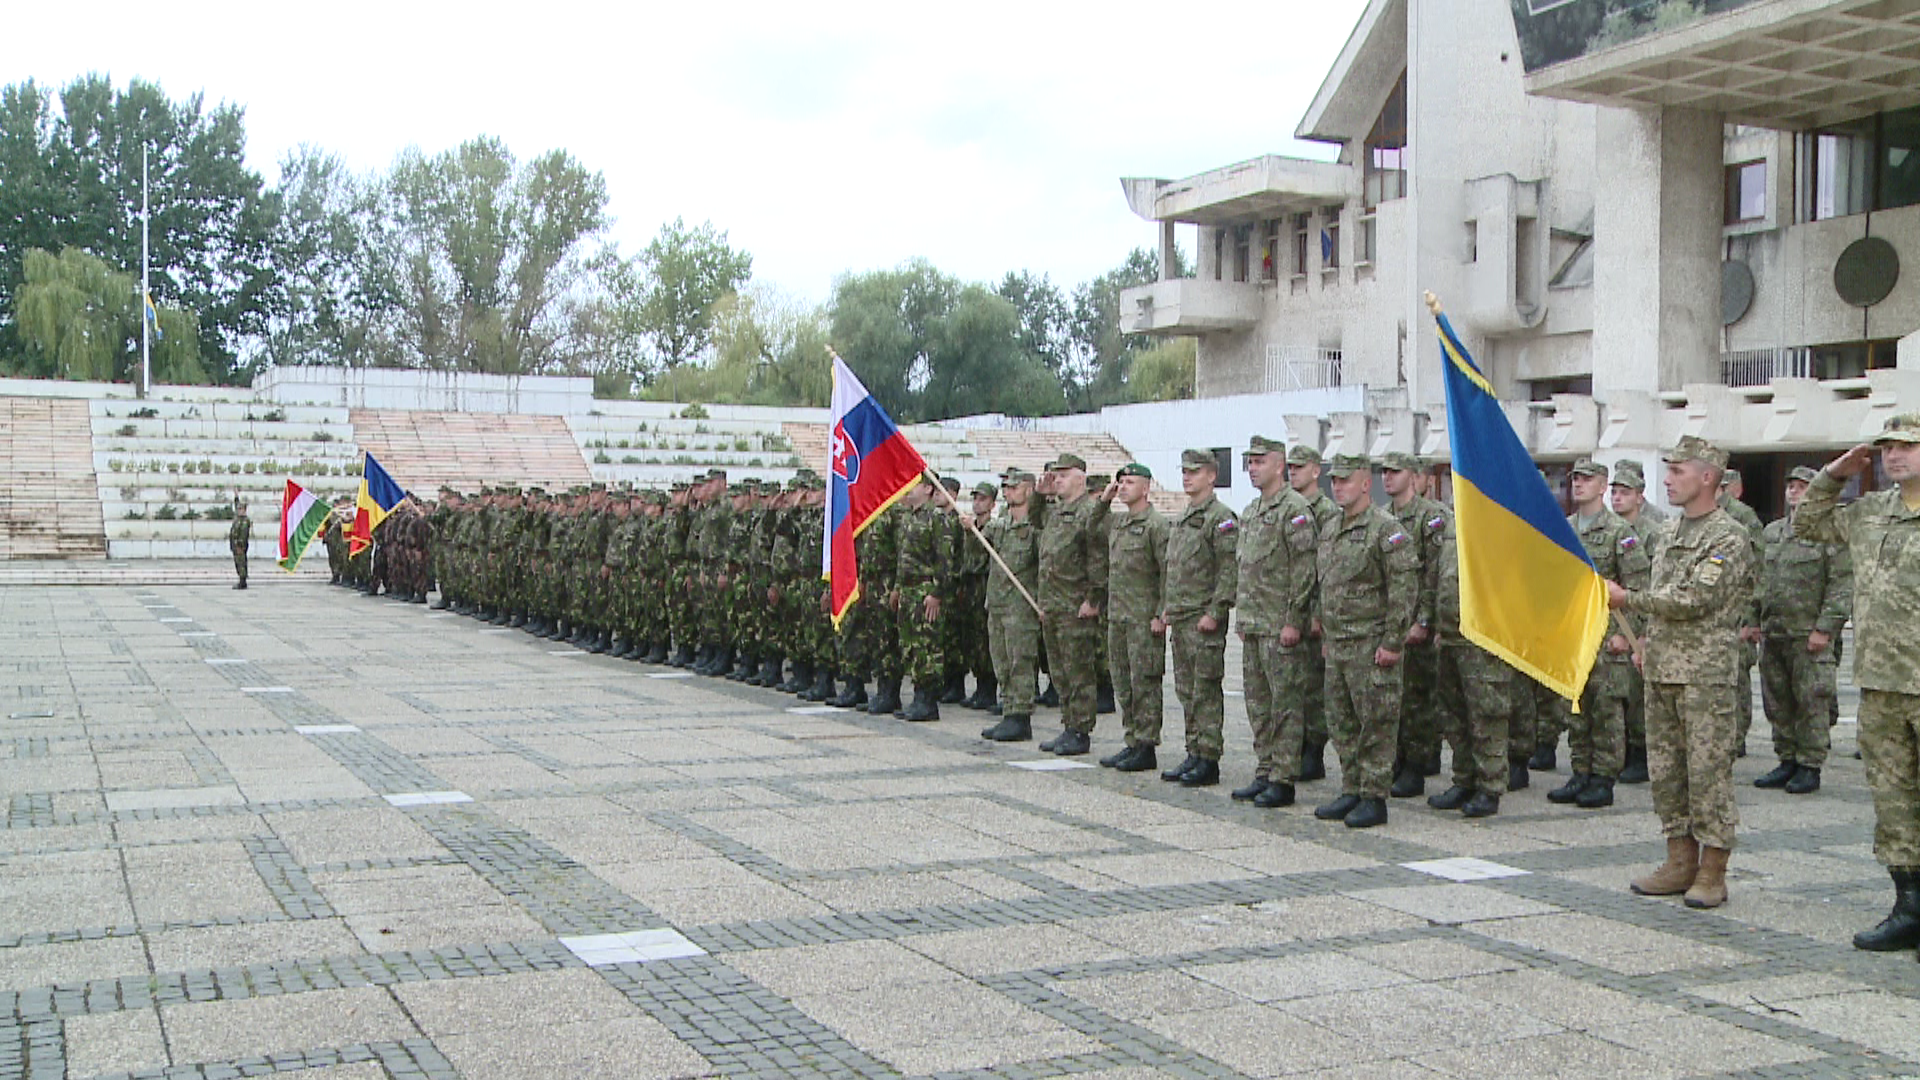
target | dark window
x=1301, y=224
x=1899, y=159
x=1746, y=192
x=1330, y=241
x=1868, y=164
x=1242, y=252
x=1385, y=149
x=1270, y=252
x=1223, y=466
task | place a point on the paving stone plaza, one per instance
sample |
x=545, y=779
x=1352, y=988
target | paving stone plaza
x=294, y=831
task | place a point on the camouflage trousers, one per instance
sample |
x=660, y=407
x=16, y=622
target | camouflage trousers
x=1475, y=692
x=682, y=622
x=923, y=641
x=240, y=563
x=1316, y=708
x=1363, y=716
x=1749, y=658
x=966, y=629
x=1419, y=722
x=1797, y=688
x=1013, y=640
x=1890, y=747
x=1274, y=679
x=1690, y=729
x=1537, y=715
x=1199, y=674
x=853, y=664
x=1597, y=734
x=880, y=637
x=1137, y=662
x=1637, y=718
x=1072, y=644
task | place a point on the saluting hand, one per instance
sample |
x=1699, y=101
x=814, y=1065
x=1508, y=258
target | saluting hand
x=1851, y=463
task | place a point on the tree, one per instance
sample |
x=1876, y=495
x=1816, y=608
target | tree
x=330, y=303
x=80, y=319
x=1163, y=372
x=1101, y=352
x=73, y=178
x=1046, y=328
x=688, y=271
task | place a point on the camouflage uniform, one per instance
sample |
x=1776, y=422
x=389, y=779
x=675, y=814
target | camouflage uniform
x=1073, y=571
x=1324, y=512
x=1648, y=525
x=1277, y=552
x=1476, y=689
x=1136, y=656
x=1804, y=587
x=970, y=609
x=1201, y=573
x=1369, y=586
x=1597, y=734
x=1013, y=630
x=1749, y=653
x=1425, y=521
x=239, y=536
x=924, y=567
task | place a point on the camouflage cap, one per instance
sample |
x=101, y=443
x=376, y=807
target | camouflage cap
x=951, y=483
x=597, y=485
x=1904, y=428
x=1586, y=466
x=816, y=482
x=1198, y=459
x=798, y=483
x=1399, y=461
x=1348, y=464
x=1261, y=446
x=656, y=496
x=1803, y=474
x=1067, y=461
x=1628, y=474
x=1694, y=448
x=536, y=491
x=1134, y=468
x=1016, y=476
x=1302, y=454
x=986, y=489
x=682, y=485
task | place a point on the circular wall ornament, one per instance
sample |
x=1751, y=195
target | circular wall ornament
x=1866, y=272
x=1736, y=291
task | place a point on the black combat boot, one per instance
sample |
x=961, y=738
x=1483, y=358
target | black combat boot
x=1570, y=790
x=956, y=691
x=1010, y=729
x=1276, y=795
x=1205, y=774
x=1453, y=798
x=683, y=657
x=771, y=666
x=924, y=707
x=440, y=603
x=1050, y=697
x=986, y=691
x=1369, y=813
x=1073, y=744
x=886, y=698
x=1543, y=759
x=822, y=689
x=601, y=644
x=1139, y=759
x=1190, y=763
x=1483, y=804
x=1408, y=783
x=1430, y=766
x=517, y=621
x=1636, y=770
x=1338, y=809
x=1517, y=776
x=853, y=696
x=1597, y=793
x=1901, y=928
x=1313, y=761
x=1778, y=776
x=1103, y=699
x=722, y=662
x=801, y=678
x=658, y=654
x=1806, y=781
x=1250, y=792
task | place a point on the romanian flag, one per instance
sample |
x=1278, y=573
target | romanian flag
x=1528, y=593
x=871, y=465
x=302, y=517
x=378, y=496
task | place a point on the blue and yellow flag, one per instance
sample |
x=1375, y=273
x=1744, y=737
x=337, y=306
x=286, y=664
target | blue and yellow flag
x=153, y=316
x=1528, y=593
x=378, y=496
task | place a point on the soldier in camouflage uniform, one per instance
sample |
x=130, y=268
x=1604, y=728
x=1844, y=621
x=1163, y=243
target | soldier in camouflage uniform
x=239, y=536
x=1628, y=496
x=1103, y=700
x=1882, y=533
x=1368, y=568
x=953, y=688
x=446, y=552
x=879, y=625
x=924, y=548
x=1731, y=488
x=1418, y=756
x=335, y=538
x=1073, y=592
x=1476, y=693
x=1597, y=734
x=1702, y=580
x=1278, y=553
x=970, y=611
x=1303, y=475
x=683, y=574
x=1013, y=627
x=1201, y=574
x=1136, y=638
x=1806, y=597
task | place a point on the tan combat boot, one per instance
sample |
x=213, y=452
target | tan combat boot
x=1710, y=885
x=1676, y=875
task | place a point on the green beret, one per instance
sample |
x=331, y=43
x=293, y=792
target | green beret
x=1134, y=468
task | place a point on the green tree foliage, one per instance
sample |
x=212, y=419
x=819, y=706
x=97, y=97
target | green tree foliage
x=1103, y=355
x=687, y=272
x=1164, y=372
x=767, y=350
x=331, y=305
x=71, y=169
x=78, y=318
x=1046, y=328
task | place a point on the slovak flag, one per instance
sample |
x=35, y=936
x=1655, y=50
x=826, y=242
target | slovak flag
x=871, y=466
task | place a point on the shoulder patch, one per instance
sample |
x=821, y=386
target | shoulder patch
x=1436, y=523
x=1300, y=520
x=1629, y=542
x=1396, y=539
x=1226, y=525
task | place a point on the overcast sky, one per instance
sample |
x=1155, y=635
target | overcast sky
x=985, y=137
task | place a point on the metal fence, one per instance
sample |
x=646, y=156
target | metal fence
x=1300, y=367
x=1758, y=367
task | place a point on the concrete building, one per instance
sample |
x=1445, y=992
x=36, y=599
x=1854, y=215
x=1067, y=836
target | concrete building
x=1646, y=218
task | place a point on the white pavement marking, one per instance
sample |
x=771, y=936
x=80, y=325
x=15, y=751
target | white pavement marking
x=440, y=615
x=156, y=607
x=565, y=652
x=497, y=630
x=30, y=716
x=1055, y=765
x=814, y=710
x=199, y=633
x=227, y=660
x=671, y=675
x=633, y=947
x=266, y=689
x=177, y=618
x=1849, y=720
x=429, y=798
x=325, y=729
x=1465, y=868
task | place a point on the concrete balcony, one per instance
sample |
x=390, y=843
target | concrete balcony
x=1266, y=187
x=1189, y=306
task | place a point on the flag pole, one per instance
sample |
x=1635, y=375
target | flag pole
x=967, y=520
x=146, y=288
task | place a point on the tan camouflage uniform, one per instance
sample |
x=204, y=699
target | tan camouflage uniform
x=1136, y=656
x=1201, y=569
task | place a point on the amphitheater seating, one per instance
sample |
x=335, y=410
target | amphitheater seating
x=649, y=450
x=49, y=506
x=423, y=450
x=1031, y=450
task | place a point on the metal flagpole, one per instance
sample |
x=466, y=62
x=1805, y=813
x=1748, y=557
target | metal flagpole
x=146, y=294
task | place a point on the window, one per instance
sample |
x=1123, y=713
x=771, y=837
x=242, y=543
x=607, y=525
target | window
x=1222, y=466
x=1368, y=248
x=1899, y=159
x=1746, y=192
x=1385, y=154
x=1219, y=252
x=1301, y=223
x=1843, y=170
x=1242, y=252
x=1270, y=252
x=1330, y=241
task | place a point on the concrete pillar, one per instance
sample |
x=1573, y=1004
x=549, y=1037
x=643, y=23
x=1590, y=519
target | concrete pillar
x=1169, y=265
x=1207, y=258
x=1657, y=232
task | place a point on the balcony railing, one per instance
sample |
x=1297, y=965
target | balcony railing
x=1301, y=367
x=1758, y=367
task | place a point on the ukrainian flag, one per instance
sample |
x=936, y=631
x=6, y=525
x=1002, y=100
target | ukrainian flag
x=1528, y=593
x=153, y=316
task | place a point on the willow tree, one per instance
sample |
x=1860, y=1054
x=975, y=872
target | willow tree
x=80, y=319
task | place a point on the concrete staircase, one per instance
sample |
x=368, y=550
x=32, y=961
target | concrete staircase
x=1031, y=450
x=423, y=450
x=653, y=451
x=49, y=504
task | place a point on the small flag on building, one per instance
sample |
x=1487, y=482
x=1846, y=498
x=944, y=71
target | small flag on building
x=378, y=496
x=871, y=466
x=302, y=518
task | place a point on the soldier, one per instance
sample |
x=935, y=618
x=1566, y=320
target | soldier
x=1476, y=693
x=1103, y=700
x=970, y=614
x=923, y=569
x=1136, y=638
x=1731, y=489
x=1701, y=581
x=239, y=536
x=1013, y=627
x=336, y=540
x=1628, y=495
x=1882, y=533
x=1277, y=553
x=1806, y=597
x=1418, y=755
x=879, y=624
x=953, y=621
x=683, y=576
x=1597, y=733
x=1202, y=569
x=1303, y=475
x=1368, y=568
x=1073, y=591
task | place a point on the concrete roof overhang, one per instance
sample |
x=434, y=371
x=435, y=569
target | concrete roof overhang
x=1266, y=187
x=1783, y=64
x=1362, y=75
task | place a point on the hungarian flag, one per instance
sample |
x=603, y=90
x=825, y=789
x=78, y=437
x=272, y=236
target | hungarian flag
x=872, y=465
x=302, y=518
x=378, y=496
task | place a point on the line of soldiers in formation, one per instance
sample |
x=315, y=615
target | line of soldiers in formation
x=1348, y=611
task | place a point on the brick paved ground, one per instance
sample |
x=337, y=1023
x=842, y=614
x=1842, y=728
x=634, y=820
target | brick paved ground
x=296, y=831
